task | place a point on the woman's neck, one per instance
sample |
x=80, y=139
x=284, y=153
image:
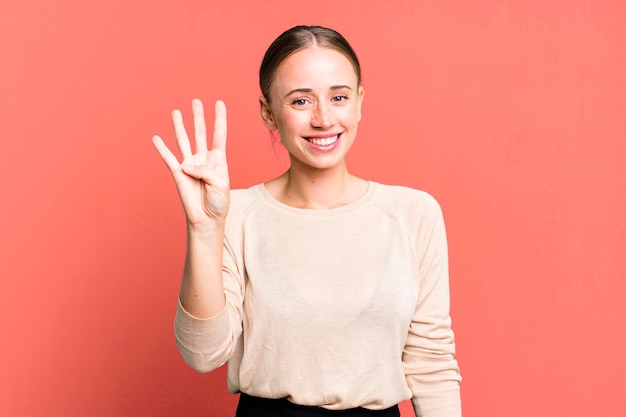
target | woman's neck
x=317, y=189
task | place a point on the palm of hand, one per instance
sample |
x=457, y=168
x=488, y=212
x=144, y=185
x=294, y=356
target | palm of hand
x=202, y=178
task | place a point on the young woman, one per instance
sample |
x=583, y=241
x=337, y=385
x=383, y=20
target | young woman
x=326, y=293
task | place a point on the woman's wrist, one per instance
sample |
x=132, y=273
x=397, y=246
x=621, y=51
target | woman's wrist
x=210, y=227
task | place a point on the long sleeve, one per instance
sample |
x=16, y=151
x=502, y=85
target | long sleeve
x=432, y=372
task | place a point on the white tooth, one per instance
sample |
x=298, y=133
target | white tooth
x=324, y=141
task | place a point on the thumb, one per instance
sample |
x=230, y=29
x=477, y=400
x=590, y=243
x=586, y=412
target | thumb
x=200, y=172
x=193, y=170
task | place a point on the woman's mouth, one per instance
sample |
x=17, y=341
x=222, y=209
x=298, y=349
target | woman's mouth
x=324, y=141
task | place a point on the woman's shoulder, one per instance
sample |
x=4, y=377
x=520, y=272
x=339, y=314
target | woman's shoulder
x=244, y=199
x=406, y=199
x=416, y=210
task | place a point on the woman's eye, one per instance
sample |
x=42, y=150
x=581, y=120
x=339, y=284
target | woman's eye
x=299, y=102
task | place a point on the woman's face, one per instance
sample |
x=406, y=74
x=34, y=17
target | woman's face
x=315, y=106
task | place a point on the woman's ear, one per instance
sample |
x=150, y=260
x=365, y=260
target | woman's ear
x=360, y=96
x=267, y=115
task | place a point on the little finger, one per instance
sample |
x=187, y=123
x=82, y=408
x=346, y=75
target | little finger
x=168, y=157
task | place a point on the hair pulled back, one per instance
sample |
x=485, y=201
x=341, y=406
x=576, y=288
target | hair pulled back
x=297, y=38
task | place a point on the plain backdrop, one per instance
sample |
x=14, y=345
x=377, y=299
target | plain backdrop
x=511, y=113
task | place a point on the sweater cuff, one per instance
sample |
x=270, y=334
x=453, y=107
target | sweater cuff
x=193, y=332
x=438, y=404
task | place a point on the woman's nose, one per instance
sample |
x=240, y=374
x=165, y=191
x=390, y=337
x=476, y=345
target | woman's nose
x=322, y=116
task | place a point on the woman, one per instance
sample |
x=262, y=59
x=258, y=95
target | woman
x=326, y=293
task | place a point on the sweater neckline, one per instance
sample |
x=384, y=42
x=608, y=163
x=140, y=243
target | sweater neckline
x=364, y=199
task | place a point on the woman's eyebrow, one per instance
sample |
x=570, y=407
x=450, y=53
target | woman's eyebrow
x=308, y=90
x=299, y=90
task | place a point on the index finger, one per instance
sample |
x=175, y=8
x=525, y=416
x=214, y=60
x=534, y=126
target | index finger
x=219, y=126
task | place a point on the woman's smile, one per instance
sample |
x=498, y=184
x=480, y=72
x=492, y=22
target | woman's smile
x=324, y=143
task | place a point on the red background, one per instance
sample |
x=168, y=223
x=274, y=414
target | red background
x=512, y=114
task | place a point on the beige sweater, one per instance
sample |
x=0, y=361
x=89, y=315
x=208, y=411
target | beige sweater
x=337, y=308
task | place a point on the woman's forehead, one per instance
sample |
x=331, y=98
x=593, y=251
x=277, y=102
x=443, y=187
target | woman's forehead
x=315, y=67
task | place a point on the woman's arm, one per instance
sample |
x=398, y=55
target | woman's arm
x=203, y=186
x=430, y=367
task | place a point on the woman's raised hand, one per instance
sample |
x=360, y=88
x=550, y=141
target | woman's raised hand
x=202, y=177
